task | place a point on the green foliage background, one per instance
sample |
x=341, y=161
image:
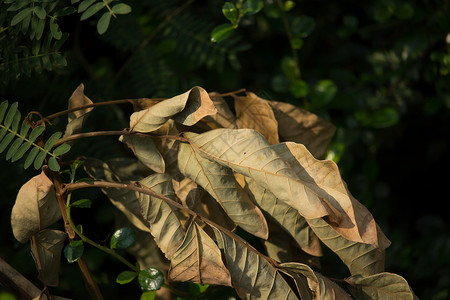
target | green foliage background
x=379, y=70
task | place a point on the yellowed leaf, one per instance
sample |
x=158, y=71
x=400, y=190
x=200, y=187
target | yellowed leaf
x=301, y=126
x=35, y=208
x=198, y=259
x=253, y=112
x=187, y=109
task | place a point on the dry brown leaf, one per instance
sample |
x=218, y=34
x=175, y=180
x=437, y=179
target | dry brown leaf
x=49, y=244
x=323, y=178
x=301, y=126
x=77, y=118
x=198, y=259
x=187, y=108
x=35, y=209
x=220, y=183
x=253, y=112
x=163, y=219
x=224, y=118
x=145, y=150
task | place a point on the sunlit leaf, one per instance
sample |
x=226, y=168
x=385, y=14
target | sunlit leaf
x=220, y=183
x=187, y=108
x=77, y=118
x=35, y=209
x=253, y=112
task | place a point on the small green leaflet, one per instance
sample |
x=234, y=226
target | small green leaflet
x=151, y=279
x=82, y=203
x=126, y=277
x=73, y=251
x=123, y=238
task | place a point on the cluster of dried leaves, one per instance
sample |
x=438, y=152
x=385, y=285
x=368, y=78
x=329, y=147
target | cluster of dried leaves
x=211, y=170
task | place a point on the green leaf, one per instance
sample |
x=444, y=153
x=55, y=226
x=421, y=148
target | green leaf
x=151, y=295
x=123, y=238
x=221, y=32
x=121, y=9
x=18, y=5
x=10, y=115
x=13, y=149
x=24, y=128
x=82, y=203
x=73, y=251
x=151, y=279
x=92, y=10
x=3, y=107
x=21, y=16
x=61, y=149
x=37, y=131
x=251, y=7
x=40, y=12
x=52, y=140
x=126, y=277
x=103, y=22
x=54, y=29
x=39, y=160
x=322, y=93
x=30, y=158
x=299, y=88
x=84, y=5
x=302, y=26
x=5, y=142
x=230, y=12
x=53, y=164
x=21, y=151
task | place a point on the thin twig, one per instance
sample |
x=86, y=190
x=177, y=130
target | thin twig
x=106, y=184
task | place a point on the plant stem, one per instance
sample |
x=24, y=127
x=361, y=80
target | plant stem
x=91, y=286
x=88, y=134
x=147, y=191
x=100, y=247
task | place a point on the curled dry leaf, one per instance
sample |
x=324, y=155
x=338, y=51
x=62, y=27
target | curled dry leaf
x=49, y=244
x=77, y=118
x=145, y=150
x=253, y=112
x=301, y=126
x=187, y=108
x=35, y=209
x=198, y=259
x=224, y=118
